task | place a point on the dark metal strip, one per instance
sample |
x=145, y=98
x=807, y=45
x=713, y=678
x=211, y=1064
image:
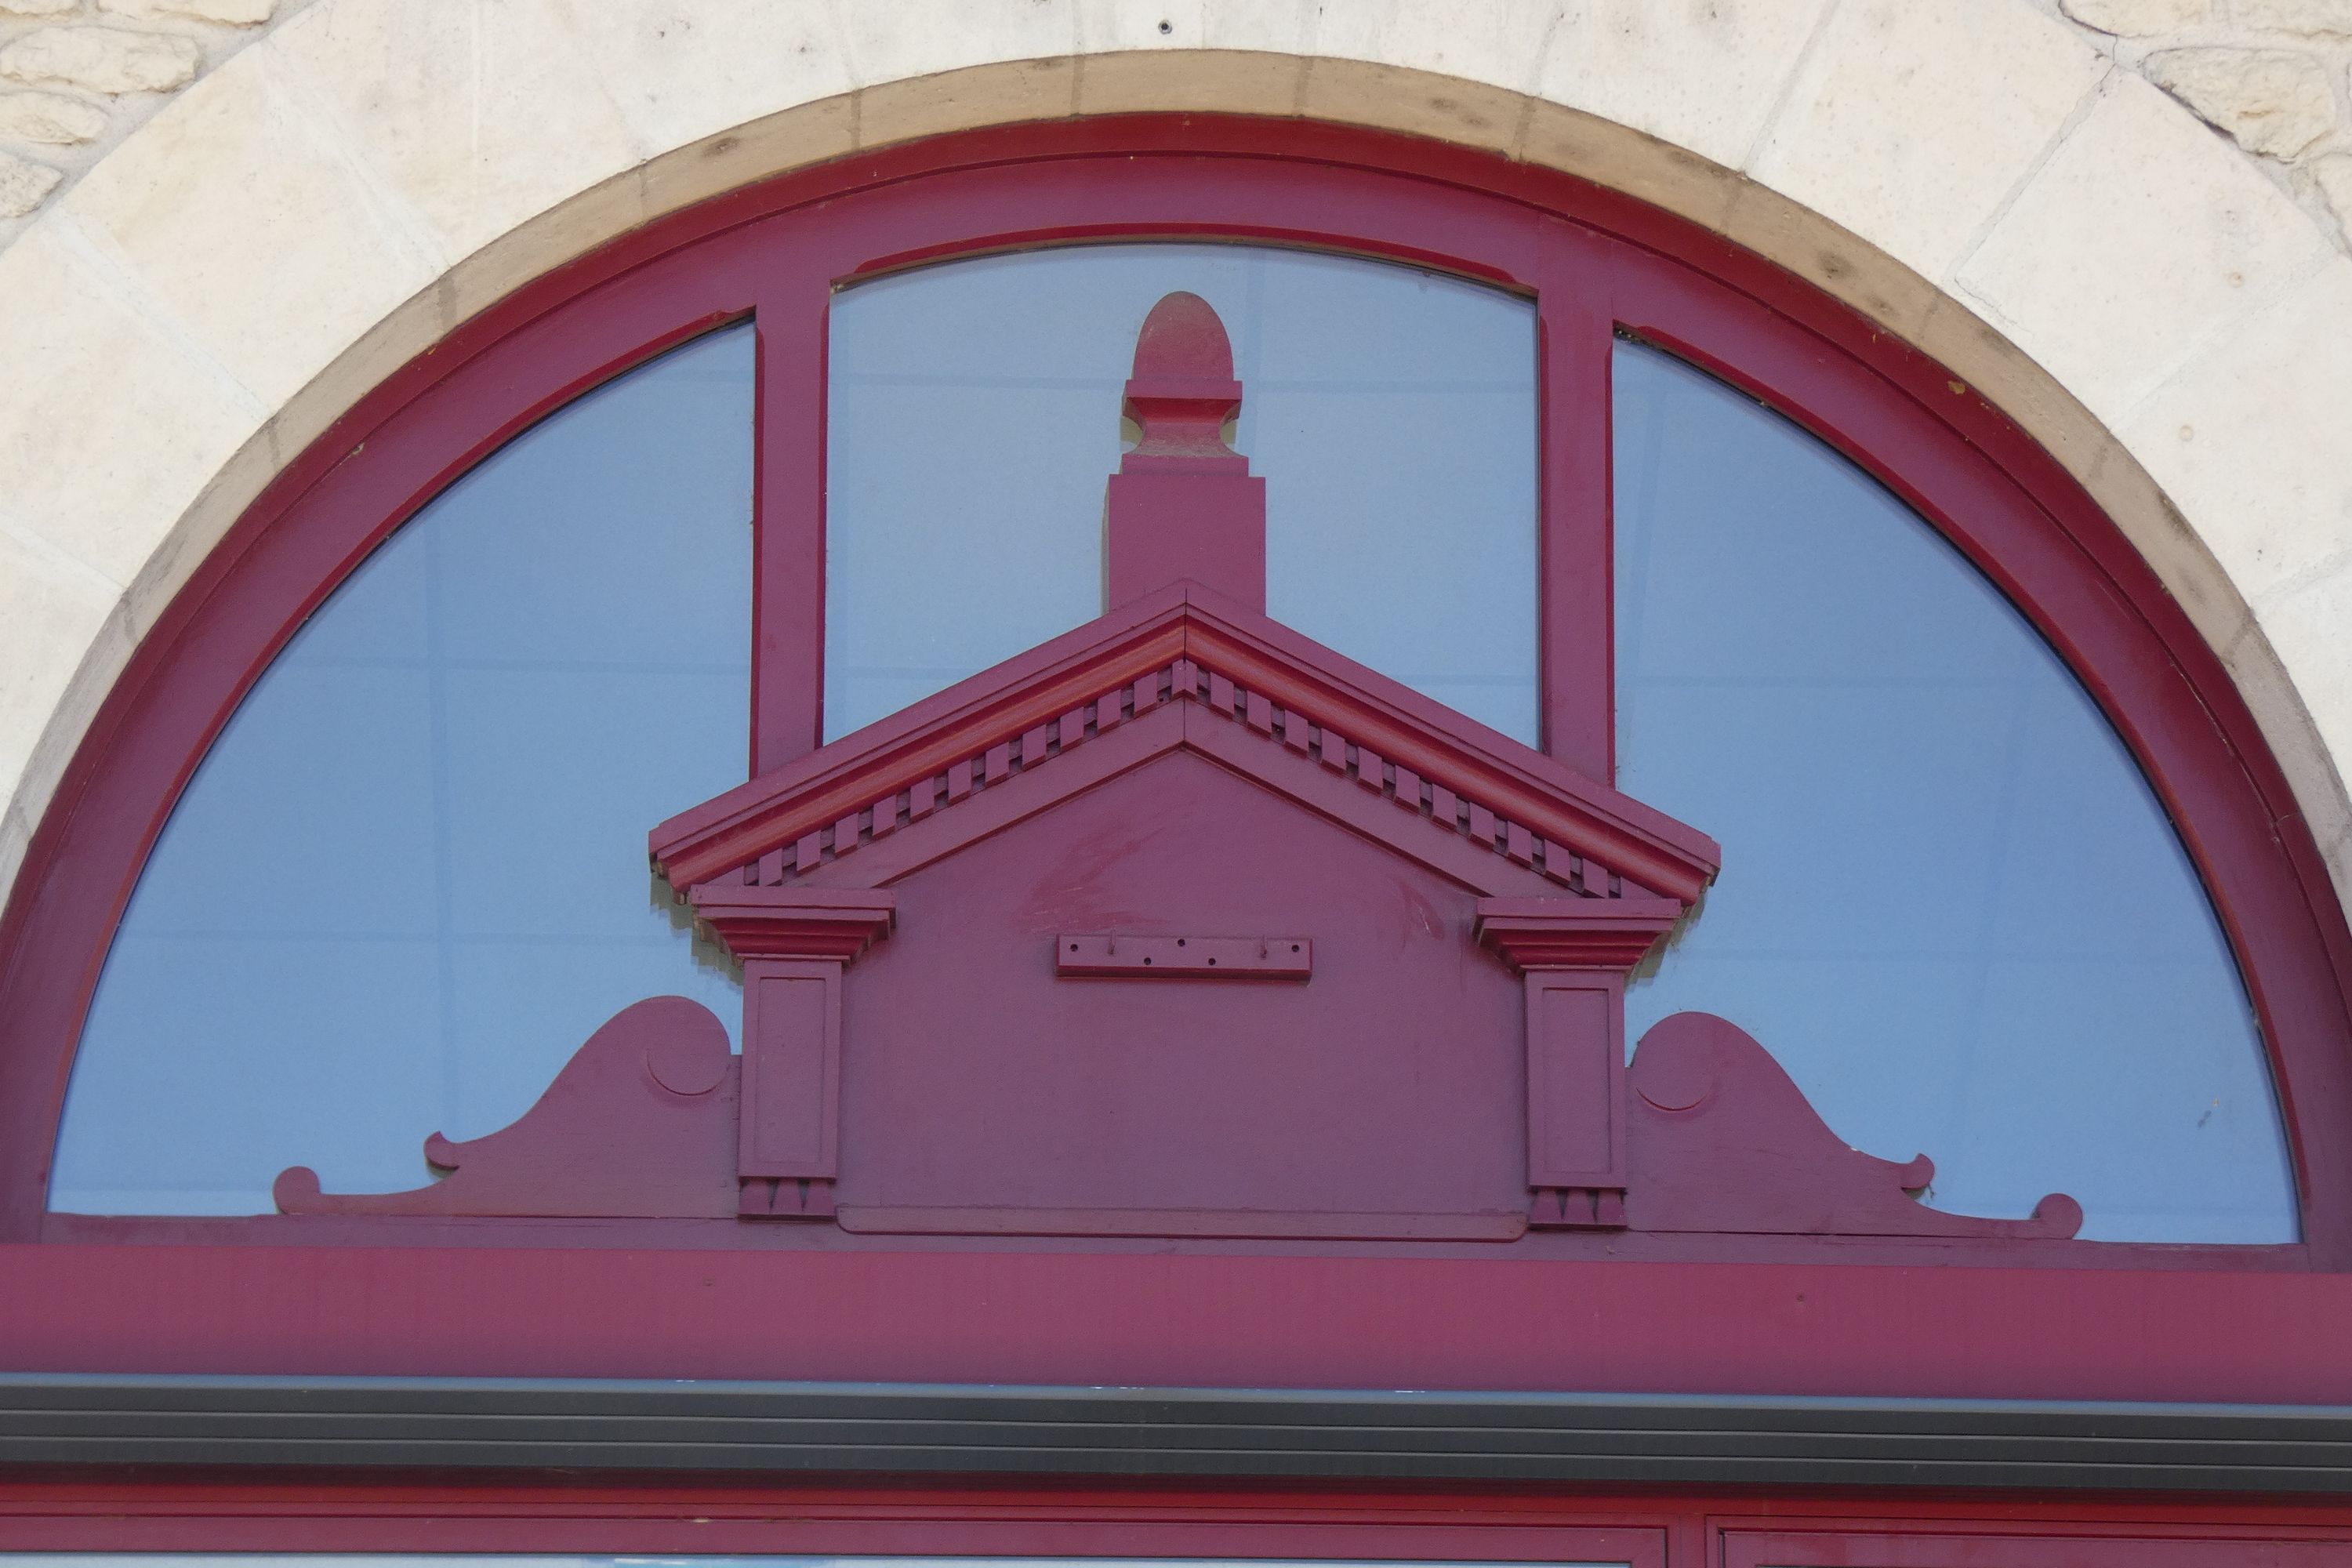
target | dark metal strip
x=850, y=1428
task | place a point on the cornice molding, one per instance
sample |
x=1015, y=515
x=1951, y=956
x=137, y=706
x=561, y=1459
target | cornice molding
x=388, y=1425
x=994, y=721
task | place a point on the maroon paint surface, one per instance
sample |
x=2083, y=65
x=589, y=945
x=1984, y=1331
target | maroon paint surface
x=1184, y=760
x=1276, y=1318
x=1723, y=1140
x=1054, y=1110
x=718, y=1518
x=1646, y=1530
x=2207, y=1323
x=1361, y=1104
x=1183, y=504
x=641, y=1120
x=1927, y=1546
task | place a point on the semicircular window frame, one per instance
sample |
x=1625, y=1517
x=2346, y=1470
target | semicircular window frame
x=1596, y=267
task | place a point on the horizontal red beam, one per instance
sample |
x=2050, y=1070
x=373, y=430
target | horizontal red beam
x=1185, y=1320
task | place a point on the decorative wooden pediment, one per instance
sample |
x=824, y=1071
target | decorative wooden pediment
x=1182, y=924
x=1184, y=674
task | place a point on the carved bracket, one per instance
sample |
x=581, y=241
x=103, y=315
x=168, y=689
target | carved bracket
x=641, y=1122
x=795, y=942
x=1573, y=955
x=1723, y=1140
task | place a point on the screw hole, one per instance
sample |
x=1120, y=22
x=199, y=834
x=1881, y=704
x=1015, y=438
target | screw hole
x=1212, y=963
x=1294, y=947
x=1074, y=947
x=1167, y=26
x=1180, y=941
x=1147, y=963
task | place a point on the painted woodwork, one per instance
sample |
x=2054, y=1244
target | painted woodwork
x=1998, y=1314
x=1181, y=765
x=1183, y=505
x=947, y=1519
x=2058, y=1544
x=1185, y=765
x=1723, y=1140
x=793, y=944
x=1593, y=261
x=1334, y=1519
x=1716, y=1144
x=1574, y=959
x=641, y=1120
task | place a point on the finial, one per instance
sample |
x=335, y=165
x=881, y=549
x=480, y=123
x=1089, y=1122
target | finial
x=1183, y=389
x=1183, y=504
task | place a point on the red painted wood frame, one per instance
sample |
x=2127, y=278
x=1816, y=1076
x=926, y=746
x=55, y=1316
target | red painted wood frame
x=67, y=1513
x=1596, y=263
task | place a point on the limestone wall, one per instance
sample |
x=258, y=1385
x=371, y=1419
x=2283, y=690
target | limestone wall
x=232, y=217
x=2274, y=75
x=77, y=76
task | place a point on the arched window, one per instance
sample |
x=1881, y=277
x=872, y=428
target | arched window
x=1600, y=649
x=553, y=651
x=1904, y=776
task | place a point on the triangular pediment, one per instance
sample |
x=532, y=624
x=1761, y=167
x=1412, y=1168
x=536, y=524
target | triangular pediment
x=1183, y=669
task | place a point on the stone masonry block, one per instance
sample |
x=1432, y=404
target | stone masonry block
x=230, y=12
x=102, y=59
x=2305, y=19
x=1913, y=119
x=24, y=184
x=50, y=118
x=2139, y=18
x=2275, y=102
x=2140, y=237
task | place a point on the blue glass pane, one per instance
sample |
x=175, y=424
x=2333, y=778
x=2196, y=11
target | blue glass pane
x=1950, y=904
x=409, y=879
x=974, y=416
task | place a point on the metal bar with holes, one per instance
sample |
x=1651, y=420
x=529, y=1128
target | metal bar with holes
x=1109, y=955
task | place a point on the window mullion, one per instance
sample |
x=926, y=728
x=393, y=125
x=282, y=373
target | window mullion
x=1576, y=330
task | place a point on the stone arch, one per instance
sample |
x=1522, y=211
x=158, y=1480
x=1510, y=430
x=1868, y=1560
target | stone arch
x=336, y=198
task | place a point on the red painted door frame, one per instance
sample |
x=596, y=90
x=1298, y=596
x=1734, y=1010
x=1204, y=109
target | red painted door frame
x=1786, y=1314
x=1656, y=1528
